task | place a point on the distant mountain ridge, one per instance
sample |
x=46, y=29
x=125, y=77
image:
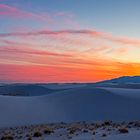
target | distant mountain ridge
x=122, y=80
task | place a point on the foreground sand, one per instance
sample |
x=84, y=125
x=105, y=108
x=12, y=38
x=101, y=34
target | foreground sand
x=76, y=131
x=72, y=104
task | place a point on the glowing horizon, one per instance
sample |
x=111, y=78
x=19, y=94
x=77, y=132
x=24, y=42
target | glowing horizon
x=44, y=42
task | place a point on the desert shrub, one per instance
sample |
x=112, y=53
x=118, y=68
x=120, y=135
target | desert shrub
x=123, y=130
x=37, y=134
x=19, y=137
x=72, y=130
x=104, y=135
x=7, y=137
x=60, y=135
x=85, y=131
x=98, y=125
x=29, y=138
x=109, y=129
x=91, y=128
x=48, y=131
x=137, y=124
x=107, y=123
x=27, y=135
x=131, y=123
x=69, y=137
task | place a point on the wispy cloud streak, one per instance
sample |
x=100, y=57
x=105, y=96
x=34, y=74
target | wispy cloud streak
x=6, y=10
x=91, y=33
x=32, y=51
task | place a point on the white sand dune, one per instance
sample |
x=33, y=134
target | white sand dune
x=78, y=104
x=132, y=93
x=63, y=86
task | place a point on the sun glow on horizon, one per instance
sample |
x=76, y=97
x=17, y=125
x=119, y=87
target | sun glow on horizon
x=39, y=45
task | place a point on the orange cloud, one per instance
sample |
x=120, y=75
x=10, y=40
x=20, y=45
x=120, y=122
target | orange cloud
x=121, y=50
x=26, y=50
x=36, y=73
x=68, y=61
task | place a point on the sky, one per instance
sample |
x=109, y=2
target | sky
x=68, y=40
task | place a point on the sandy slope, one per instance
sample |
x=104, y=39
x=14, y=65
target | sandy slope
x=63, y=86
x=132, y=93
x=70, y=105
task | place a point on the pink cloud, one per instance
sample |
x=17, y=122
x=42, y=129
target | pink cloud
x=126, y=40
x=25, y=50
x=10, y=11
x=14, y=12
x=64, y=14
x=91, y=33
x=120, y=51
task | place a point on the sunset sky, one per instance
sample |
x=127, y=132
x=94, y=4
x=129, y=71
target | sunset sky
x=69, y=40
